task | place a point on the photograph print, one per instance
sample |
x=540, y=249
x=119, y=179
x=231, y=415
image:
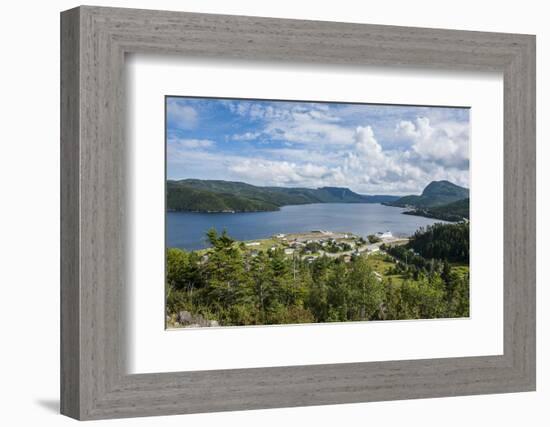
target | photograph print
x=301, y=212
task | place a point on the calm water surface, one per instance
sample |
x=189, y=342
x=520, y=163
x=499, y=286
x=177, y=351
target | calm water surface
x=187, y=230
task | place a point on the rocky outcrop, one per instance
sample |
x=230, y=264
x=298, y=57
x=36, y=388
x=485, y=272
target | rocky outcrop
x=188, y=320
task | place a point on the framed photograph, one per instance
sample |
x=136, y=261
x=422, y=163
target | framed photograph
x=261, y=213
x=258, y=233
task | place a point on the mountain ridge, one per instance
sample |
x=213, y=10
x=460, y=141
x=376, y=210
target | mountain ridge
x=436, y=193
x=439, y=199
x=194, y=195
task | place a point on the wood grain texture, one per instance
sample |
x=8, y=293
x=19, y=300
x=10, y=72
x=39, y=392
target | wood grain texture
x=94, y=381
x=70, y=220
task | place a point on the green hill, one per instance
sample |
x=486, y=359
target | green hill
x=195, y=195
x=181, y=198
x=455, y=211
x=436, y=193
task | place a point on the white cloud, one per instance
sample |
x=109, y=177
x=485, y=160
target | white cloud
x=294, y=123
x=191, y=143
x=181, y=116
x=314, y=147
x=269, y=172
x=446, y=143
x=364, y=166
x=370, y=168
x=247, y=136
x=266, y=171
x=366, y=144
x=310, y=170
x=305, y=129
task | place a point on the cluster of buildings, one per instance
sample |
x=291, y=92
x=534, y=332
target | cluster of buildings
x=311, y=244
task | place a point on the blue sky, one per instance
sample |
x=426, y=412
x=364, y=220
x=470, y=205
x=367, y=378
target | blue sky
x=372, y=149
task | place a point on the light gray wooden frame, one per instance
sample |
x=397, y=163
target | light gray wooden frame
x=94, y=41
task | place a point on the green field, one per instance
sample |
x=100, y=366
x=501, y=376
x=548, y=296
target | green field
x=379, y=263
x=264, y=244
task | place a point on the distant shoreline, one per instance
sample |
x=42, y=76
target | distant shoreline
x=186, y=229
x=277, y=209
x=414, y=212
x=427, y=214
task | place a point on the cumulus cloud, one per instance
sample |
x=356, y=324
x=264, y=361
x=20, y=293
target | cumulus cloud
x=370, y=149
x=266, y=170
x=372, y=166
x=446, y=144
x=269, y=172
x=310, y=170
x=366, y=144
x=365, y=166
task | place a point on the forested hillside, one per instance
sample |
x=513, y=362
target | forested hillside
x=436, y=193
x=455, y=211
x=443, y=241
x=183, y=198
x=194, y=195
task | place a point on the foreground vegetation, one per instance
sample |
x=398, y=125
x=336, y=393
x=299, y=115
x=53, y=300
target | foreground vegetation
x=230, y=285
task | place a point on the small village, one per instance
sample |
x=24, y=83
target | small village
x=316, y=243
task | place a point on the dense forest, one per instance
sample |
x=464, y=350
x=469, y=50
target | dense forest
x=443, y=241
x=455, y=211
x=230, y=285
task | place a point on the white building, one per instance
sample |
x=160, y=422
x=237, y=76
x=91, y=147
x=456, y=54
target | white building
x=386, y=235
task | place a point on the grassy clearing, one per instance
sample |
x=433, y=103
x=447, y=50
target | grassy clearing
x=379, y=264
x=264, y=244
